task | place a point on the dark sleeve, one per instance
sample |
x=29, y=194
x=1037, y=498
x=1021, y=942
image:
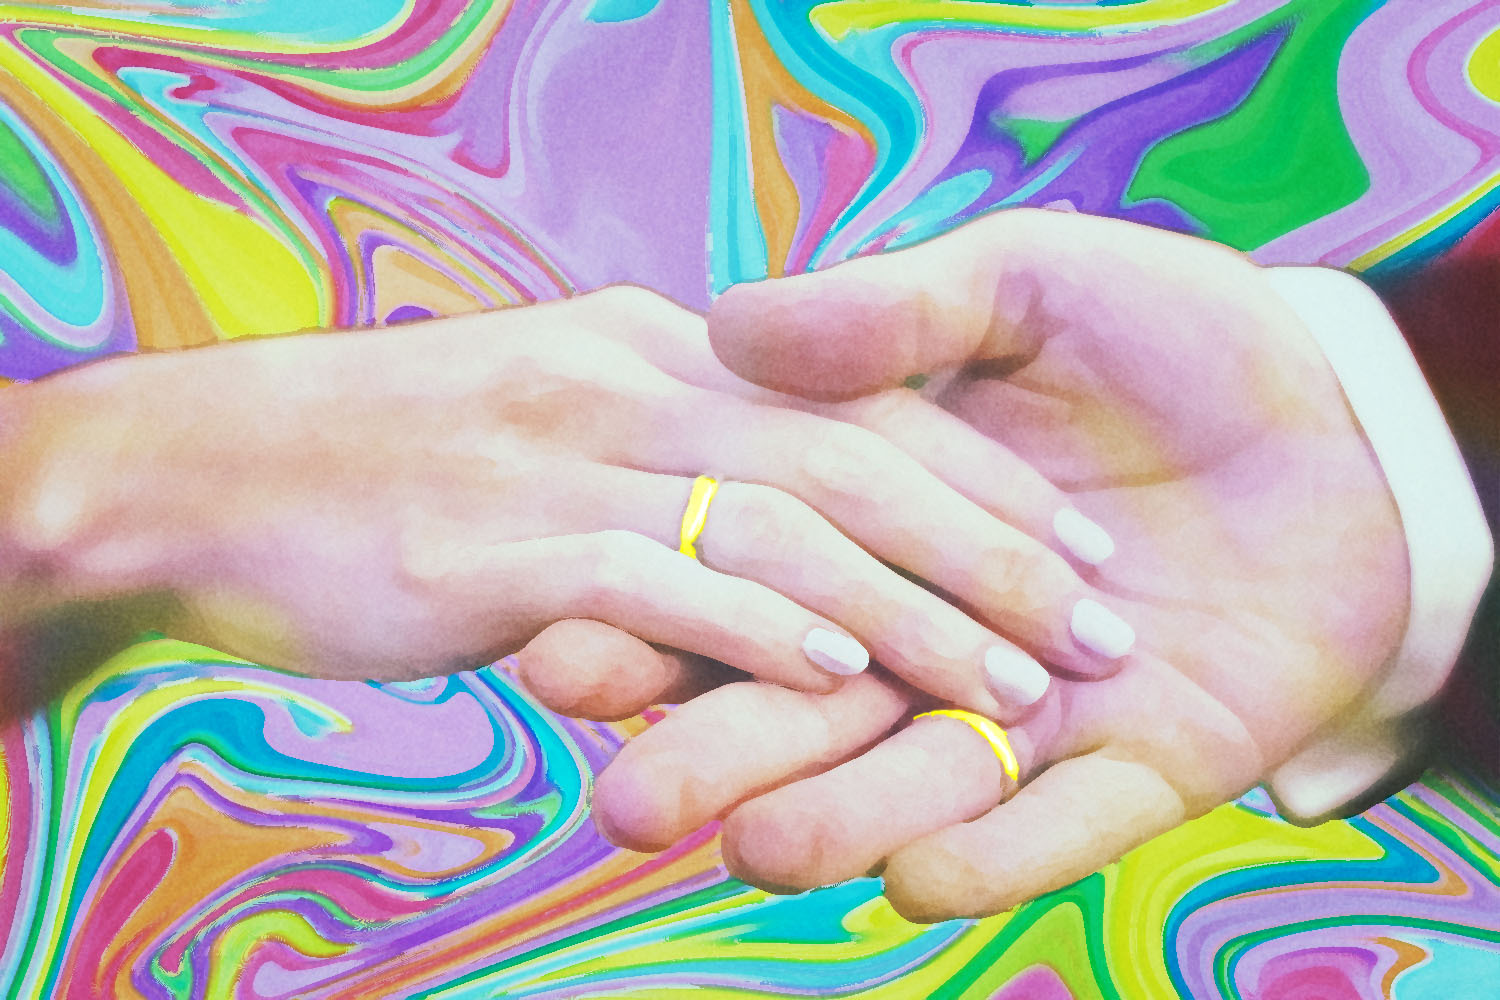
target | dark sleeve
x=1449, y=311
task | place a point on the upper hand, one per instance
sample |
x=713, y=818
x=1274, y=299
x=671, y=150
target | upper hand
x=402, y=502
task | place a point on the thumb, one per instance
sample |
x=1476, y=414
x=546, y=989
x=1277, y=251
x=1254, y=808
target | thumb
x=870, y=323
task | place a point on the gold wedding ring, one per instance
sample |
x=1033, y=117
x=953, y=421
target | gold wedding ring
x=993, y=735
x=696, y=514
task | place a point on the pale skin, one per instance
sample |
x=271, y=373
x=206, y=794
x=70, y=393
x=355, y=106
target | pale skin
x=1156, y=381
x=405, y=502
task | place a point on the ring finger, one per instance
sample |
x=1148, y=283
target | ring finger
x=886, y=501
x=761, y=534
x=840, y=824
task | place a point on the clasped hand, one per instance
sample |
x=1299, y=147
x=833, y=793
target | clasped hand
x=1160, y=384
x=1130, y=517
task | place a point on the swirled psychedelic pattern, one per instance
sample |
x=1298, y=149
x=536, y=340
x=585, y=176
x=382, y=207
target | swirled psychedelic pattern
x=175, y=171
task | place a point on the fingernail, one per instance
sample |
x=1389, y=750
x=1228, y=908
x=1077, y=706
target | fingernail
x=1101, y=630
x=835, y=653
x=1013, y=677
x=1086, y=540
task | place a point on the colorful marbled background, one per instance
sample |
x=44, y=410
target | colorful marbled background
x=174, y=171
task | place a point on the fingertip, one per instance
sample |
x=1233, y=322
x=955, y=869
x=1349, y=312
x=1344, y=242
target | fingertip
x=927, y=883
x=792, y=335
x=629, y=808
x=734, y=321
x=739, y=846
x=1085, y=538
x=732, y=852
x=588, y=669
x=760, y=850
x=839, y=654
x=1102, y=632
x=1014, y=678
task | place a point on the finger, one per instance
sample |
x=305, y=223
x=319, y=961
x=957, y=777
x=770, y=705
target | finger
x=885, y=500
x=1069, y=822
x=590, y=670
x=980, y=468
x=761, y=534
x=671, y=337
x=870, y=323
x=840, y=824
x=637, y=584
x=675, y=340
x=730, y=744
x=774, y=553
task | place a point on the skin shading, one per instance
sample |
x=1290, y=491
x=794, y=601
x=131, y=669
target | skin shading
x=626, y=188
x=1233, y=672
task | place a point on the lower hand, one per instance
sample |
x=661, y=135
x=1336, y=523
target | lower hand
x=1158, y=381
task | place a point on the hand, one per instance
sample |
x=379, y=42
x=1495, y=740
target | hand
x=1160, y=382
x=399, y=503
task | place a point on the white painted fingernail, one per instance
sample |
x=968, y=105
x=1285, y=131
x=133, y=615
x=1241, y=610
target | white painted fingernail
x=1101, y=630
x=1086, y=540
x=1013, y=677
x=835, y=653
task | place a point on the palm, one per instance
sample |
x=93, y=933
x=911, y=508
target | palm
x=1159, y=382
x=1217, y=465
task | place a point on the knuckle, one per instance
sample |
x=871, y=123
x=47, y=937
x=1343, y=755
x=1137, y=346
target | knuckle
x=424, y=560
x=593, y=388
x=844, y=463
x=758, y=524
x=1006, y=577
x=876, y=411
x=626, y=302
x=570, y=352
x=55, y=487
x=935, y=636
x=44, y=531
x=616, y=565
x=657, y=329
x=538, y=382
x=540, y=360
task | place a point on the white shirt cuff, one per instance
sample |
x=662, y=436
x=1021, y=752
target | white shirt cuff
x=1449, y=546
